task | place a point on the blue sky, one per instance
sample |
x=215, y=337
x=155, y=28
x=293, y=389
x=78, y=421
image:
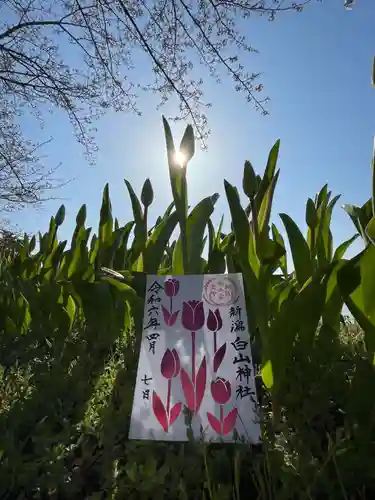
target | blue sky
x=317, y=71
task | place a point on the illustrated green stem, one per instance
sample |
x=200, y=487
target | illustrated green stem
x=171, y=305
x=215, y=342
x=221, y=417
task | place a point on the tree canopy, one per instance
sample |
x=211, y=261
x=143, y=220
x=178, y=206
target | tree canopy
x=78, y=56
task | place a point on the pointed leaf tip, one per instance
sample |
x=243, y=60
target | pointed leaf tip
x=219, y=356
x=187, y=145
x=299, y=248
x=175, y=413
x=215, y=197
x=230, y=421
x=188, y=389
x=168, y=138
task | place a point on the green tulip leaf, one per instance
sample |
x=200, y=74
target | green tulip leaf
x=300, y=250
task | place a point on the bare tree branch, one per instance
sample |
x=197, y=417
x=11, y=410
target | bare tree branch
x=76, y=56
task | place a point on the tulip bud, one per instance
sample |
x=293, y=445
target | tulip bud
x=214, y=321
x=171, y=287
x=192, y=315
x=60, y=216
x=311, y=214
x=32, y=244
x=147, y=194
x=249, y=182
x=81, y=216
x=221, y=391
x=170, y=364
x=187, y=146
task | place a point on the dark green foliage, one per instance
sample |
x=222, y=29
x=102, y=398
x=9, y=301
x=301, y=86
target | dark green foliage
x=70, y=327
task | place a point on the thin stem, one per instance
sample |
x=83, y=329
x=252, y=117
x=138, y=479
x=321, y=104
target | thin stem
x=170, y=304
x=221, y=417
x=169, y=398
x=184, y=243
x=215, y=342
x=145, y=216
x=193, y=362
x=254, y=220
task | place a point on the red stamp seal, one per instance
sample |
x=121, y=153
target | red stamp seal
x=220, y=291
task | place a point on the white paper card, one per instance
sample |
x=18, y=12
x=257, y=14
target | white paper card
x=195, y=353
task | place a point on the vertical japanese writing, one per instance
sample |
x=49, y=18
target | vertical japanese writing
x=241, y=360
x=146, y=390
x=152, y=318
x=237, y=321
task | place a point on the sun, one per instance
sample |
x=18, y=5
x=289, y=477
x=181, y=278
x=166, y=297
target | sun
x=180, y=158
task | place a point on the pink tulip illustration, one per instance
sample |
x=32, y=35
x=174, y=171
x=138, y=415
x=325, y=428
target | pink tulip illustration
x=214, y=321
x=193, y=319
x=214, y=324
x=171, y=289
x=170, y=368
x=221, y=392
x=170, y=364
x=192, y=315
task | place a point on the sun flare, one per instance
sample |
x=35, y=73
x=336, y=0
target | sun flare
x=180, y=158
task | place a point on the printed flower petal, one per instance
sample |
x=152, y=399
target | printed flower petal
x=188, y=315
x=214, y=320
x=214, y=422
x=177, y=362
x=200, y=384
x=175, y=412
x=159, y=411
x=171, y=287
x=168, y=364
x=192, y=315
x=188, y=388
x=230, y=421
x=211, y=321
x=176, y=286
x=219, y=319
x=221, y=390
x=219, y=356
x=199, y=316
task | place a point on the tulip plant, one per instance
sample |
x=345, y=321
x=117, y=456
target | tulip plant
x=171, y=289
x=67, y=307
x=170, y=368
x=221, y=392
x=193, y=320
